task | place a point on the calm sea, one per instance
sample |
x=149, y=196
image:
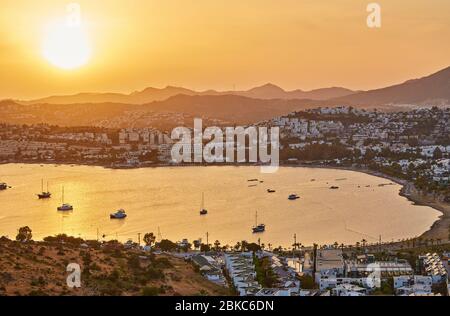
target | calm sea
x=168, y=200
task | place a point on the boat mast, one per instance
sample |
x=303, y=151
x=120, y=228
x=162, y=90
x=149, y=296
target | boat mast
x=63, y=195
x=42, y=185
x=256, y=218
x=203, y=200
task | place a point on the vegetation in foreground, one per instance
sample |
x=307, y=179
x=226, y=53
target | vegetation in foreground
x=39, y=268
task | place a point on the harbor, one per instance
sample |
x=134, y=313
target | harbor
x=169, y=199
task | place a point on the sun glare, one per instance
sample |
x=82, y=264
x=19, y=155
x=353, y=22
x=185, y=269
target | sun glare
x=66, y=46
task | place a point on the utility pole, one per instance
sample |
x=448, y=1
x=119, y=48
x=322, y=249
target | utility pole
x=379, y=248
x=207, y=240
x=97, y=234
x=295, y=242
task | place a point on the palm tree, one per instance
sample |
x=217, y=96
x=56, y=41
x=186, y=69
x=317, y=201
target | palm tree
x=364, y=242
x=237, y=246
x=336, y=245
x=270, y=246
x=216, y=245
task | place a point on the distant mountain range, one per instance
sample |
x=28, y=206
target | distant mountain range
x=146, y=107
x=268, y=91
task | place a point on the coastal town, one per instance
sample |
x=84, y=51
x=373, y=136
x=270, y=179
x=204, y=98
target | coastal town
x=411, y=148
x=158, y=267
x=412, y=145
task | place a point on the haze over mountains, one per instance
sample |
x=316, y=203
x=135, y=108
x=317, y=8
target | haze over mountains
x=146, y=107
x=267, y=91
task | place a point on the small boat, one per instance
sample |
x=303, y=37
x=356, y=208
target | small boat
x=44, y=195
x=251, y=185
x=293, y=197
x=118, y=215
x=3, y=186
x=203, y=211
x=333, y=187
x=64, y=206
x=251, y=180
x=270, y=191
x=258, y=228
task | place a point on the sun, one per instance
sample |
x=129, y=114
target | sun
x=66, y=46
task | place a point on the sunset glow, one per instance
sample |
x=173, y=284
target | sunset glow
x=65, y=46
x=219, y=45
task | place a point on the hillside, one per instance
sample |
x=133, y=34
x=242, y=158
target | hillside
x=39, y=268
x=430, y=90
x=175, y=111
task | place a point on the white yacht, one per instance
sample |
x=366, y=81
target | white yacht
x=118, y=215
x=64, y=206
x=258, y=228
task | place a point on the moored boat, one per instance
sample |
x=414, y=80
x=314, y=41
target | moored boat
x=293, y=197
x=203, y=211
x=64, y=206
x=44, y=194
x=258, y=228
x=119, y=214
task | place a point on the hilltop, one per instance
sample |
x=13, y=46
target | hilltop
x=39, y=268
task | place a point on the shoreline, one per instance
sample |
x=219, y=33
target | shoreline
x=438, y=230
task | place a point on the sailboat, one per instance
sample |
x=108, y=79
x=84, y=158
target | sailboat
x=64, y=206
x=203, y=211
x=44, y=195
x=258, y=228
x=3, y=186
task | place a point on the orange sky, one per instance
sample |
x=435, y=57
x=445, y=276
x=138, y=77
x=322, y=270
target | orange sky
x=216, y=44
